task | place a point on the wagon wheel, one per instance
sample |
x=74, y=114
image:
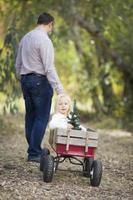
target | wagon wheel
x=45, y=152
x=48, y=168
x=87, y=166
x=96, y=173
x=57, y=160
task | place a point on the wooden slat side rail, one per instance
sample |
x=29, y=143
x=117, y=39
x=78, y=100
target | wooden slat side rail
x=52, y=137
x=73, y=137
x=76, y=141
x=77, y=133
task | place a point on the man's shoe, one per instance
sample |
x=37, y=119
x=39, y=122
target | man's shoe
x=34, y=159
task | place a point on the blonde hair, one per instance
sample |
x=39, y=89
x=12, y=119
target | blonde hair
x=61, y=96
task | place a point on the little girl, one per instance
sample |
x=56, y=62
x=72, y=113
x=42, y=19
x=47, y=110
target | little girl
x=59, y=119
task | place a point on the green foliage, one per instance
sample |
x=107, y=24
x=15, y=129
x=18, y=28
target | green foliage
x=87, y=71
x=73, y=118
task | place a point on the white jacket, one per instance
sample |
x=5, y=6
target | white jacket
x=60, y=121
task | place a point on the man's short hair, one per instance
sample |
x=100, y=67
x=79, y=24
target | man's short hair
x=45, y=18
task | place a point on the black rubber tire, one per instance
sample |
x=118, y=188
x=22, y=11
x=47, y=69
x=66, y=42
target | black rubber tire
x=45, y=152
x=48, y=169
x=95, y=177
x=87, y=166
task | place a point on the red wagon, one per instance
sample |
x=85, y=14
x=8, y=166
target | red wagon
x=72, y=145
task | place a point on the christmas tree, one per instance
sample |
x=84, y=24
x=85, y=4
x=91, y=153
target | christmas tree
x=73, y=118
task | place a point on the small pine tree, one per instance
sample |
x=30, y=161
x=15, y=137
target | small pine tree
x=73, y=118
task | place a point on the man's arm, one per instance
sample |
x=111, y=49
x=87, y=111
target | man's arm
x=18, y=62
x=47, y=55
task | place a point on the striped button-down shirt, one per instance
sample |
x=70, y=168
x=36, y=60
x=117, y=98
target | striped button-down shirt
x=36, y=55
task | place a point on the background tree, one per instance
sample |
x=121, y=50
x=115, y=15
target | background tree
x=93, y=43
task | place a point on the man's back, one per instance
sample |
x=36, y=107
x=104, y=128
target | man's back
x=31, y=45
x=36, y=55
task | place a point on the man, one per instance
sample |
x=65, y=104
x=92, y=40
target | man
x=35, y=68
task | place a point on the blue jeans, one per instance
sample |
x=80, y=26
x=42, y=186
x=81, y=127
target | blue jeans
x=37, y=94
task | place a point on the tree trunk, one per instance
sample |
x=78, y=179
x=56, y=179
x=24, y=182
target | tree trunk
x=106, y=85
x=128, y=97
x=96, y=102
x=105, y=45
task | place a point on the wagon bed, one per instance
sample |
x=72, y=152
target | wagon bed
x=74, y=142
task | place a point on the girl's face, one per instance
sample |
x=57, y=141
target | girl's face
x=63, y=106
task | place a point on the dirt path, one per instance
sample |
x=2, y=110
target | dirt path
x=22, y=180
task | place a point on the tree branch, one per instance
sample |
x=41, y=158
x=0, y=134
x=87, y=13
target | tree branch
x=97, y=35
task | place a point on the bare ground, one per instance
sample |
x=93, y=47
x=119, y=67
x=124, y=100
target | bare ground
x=22, y=180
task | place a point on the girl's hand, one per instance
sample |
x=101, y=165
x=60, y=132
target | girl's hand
x=69, y=126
